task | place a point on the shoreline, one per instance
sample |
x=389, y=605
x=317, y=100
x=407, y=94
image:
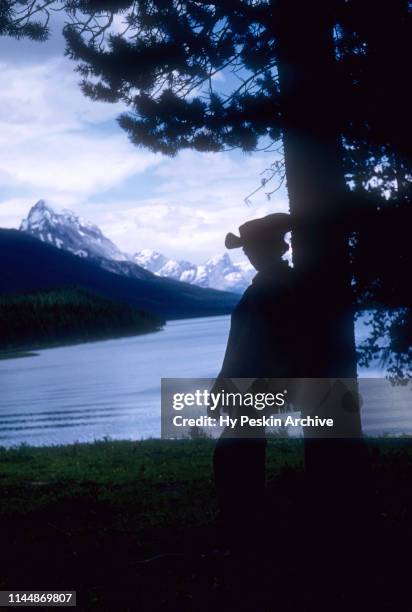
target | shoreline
x=173, y=443
x=31, y=350
x=18, y=354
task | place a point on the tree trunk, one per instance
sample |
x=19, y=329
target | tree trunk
x=317, y=194
x=336, y=466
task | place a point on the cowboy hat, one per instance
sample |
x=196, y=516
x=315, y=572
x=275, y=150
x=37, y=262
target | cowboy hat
x=271, y=227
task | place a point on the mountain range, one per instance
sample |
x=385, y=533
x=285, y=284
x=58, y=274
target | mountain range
x=29, y=264
x=69, y=232
x=219, y=272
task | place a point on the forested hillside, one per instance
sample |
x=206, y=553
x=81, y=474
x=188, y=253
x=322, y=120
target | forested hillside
x=47, y=318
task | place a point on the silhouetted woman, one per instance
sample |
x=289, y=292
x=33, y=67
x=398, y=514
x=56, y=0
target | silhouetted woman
x=260, y=345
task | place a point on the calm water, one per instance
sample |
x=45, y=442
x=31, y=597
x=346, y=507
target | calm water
x=112, y=388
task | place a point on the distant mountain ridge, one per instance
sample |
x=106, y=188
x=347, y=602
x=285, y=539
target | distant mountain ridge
x=78, y=236
x=219, y=272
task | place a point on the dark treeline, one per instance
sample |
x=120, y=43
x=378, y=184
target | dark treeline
x=59, y=316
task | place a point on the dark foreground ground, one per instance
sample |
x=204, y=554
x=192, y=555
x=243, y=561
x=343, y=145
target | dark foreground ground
x=132, y=526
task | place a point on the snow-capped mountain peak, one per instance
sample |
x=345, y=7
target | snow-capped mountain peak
x=67, y=231
x=38, y=213
x=151, y=260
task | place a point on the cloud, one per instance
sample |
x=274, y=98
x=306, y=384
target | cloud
x=58, y=145
x=56, y=142
x=197, y=198
x=47, y=95
x=69, y=163
x=12, y=211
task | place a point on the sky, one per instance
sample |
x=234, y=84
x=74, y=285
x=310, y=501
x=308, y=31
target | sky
x=57, y=145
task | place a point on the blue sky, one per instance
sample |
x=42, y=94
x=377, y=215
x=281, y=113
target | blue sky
x=57, y=145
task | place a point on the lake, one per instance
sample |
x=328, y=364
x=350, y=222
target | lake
x=112, y=388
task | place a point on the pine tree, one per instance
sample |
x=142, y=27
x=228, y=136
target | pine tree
x=303, y=72
x=26, y=18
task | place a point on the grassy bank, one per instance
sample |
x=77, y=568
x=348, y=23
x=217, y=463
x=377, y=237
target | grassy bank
x=86, y=516
x=159, y=482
